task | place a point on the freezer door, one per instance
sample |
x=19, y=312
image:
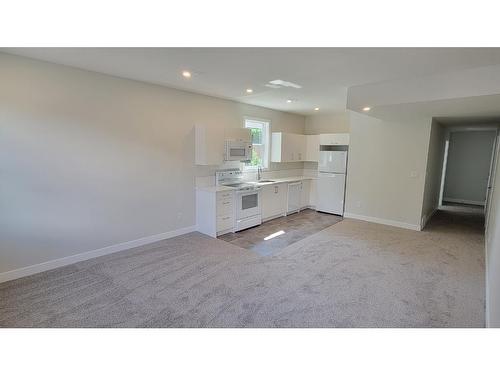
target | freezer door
x=330, y=197
x=332, y=161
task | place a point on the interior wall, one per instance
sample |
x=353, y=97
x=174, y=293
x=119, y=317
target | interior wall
x=328, y=123
x=493, y=253
x=89, y=160
x=386, y=169
x=468, y=166
x=434, y=170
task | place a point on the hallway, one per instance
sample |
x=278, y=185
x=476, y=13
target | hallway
x=465, y=218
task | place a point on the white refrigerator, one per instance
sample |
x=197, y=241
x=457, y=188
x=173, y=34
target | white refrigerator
x=332, y=169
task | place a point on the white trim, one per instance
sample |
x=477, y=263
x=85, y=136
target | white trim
x=464, y=201
x=474, y=128
x=377, y=220
x=487, y=287
x=266, y=128
x=491, y=182
x=51, y=264
x=427, y=217
x=444, y=166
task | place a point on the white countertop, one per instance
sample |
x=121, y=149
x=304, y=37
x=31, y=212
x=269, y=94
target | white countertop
x=284, y=180
x=215, y=189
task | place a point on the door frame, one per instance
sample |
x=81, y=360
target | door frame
x=494, y=154
x=491, y=179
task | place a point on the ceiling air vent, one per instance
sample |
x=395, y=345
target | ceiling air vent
x=280, y=82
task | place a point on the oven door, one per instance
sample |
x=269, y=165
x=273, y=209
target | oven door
x=248, y=204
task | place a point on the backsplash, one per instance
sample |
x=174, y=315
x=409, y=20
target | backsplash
x=205, y=176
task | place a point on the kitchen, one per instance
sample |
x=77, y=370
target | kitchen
x=239, y=197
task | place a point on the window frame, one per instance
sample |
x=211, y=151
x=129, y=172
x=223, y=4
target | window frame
x=266, y=138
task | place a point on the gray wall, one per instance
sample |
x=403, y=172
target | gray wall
x=386, y=169
x=89, y=160
x=468, y=166
x=328, y=123
x=434, y=170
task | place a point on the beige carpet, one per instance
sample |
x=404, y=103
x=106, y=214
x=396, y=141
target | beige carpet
x=352, y=274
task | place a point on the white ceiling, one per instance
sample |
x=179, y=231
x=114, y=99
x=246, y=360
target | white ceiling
x=325, y=74
x=475, y=109
x=469, y=121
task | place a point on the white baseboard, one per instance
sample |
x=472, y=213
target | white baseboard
x=51, y=264
x=377, y=220
x=464, y=201
x=426, y=218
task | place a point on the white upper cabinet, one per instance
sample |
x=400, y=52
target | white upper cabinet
x=288, y=147
x=209, y=145
x=238, y=134
x=334, y=139
x=312, y=149
x=209, y=142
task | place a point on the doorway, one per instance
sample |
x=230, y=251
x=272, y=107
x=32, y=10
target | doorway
x=468, y=167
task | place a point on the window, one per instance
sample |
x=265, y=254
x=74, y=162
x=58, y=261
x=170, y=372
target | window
x=260, y=142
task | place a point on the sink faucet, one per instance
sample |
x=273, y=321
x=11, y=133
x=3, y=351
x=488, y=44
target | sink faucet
x=259, y=173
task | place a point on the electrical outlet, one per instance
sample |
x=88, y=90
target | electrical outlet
x=413, y=174
x=358, y=204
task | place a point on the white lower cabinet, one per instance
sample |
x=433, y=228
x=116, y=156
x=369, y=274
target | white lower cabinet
x=313, y=192
x=274, y=200
x=294, y=197
x=224, y=223
x=305, y=193
x=214, y=212
x=225, y=211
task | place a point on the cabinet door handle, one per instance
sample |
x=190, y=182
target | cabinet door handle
x=276, y=190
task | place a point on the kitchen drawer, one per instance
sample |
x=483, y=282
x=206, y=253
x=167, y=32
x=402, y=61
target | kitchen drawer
x=225, y=207
x=225, y=222
x=223, y=195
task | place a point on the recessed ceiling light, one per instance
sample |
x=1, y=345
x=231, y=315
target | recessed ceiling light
x=289, y=100
x=186, y=74
x=316, y=109
x=366, y=109
x=249, y=91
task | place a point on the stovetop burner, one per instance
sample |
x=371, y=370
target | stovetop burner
x=233, y=178
x=241, y=186
x=237, y=184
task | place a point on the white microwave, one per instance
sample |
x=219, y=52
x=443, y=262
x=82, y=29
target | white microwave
x=238, y=150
